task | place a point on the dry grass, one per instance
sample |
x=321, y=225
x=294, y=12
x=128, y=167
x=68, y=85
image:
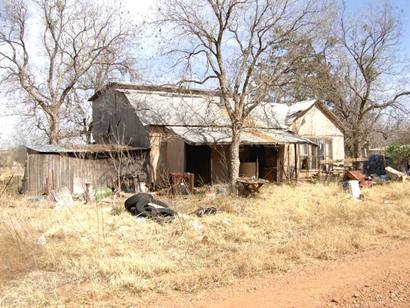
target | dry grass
x=100, y=254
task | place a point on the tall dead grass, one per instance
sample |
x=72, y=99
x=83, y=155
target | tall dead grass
x=95, y=251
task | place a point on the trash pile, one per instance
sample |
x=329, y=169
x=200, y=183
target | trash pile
x=355, y=180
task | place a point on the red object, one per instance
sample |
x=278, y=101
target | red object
x=358, y=176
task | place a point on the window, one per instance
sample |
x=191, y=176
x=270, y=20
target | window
x=304, y=156
x=323, y=151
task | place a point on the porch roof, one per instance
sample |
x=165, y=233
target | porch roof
x=223, y=135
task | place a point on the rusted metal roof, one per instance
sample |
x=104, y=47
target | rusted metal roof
x=86, y=148
x=274, y=115
x=157, y=108
x=223, y=135
x=168, y=105
x=200, y=118
x=152, y=88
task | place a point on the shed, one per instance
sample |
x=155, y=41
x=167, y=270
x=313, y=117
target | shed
x=51, y=167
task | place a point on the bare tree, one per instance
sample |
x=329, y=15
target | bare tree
x=230, y=39
x=75, y=39
x=125, y=163
x=358, y=77
x=115, y=66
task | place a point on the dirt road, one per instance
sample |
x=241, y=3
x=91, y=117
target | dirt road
x=378, y=278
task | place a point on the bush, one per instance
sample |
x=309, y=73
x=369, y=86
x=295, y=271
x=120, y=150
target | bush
x=400, y=154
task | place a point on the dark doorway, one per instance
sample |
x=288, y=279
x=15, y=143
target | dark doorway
x=264, y=158
x=198, y=162
x=268, y=157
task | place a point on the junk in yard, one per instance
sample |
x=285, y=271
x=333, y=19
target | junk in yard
x=395, y=174
x=354, y=189
x=356, y=175
x=221, y=191
x=379, y=179
x=205, y=211
x=182, y=183
x=250, y=186
x=376, y=165
x=62, y=197
x=144, y=205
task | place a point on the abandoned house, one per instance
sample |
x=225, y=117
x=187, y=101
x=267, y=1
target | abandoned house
x=188, y=131
x=52, y=167
x=312, y=120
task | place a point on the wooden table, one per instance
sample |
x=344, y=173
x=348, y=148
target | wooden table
x=251, y=185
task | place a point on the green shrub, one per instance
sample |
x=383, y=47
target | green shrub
x=400, y=154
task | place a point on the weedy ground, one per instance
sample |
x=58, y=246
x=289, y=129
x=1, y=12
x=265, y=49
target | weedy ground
x=98, y=255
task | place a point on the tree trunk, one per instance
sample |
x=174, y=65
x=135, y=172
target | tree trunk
x=356, y=151
x=234, y=161
x=54, y=133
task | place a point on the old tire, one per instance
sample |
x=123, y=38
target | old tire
x=141, y=198
x=147, y=210
x=159, y=202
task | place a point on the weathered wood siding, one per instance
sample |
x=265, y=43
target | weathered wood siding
x=74, y=172
x=115, y=121
x=175, y=154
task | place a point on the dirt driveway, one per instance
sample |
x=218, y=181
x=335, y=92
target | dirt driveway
x=379, y=278
x=375, y=278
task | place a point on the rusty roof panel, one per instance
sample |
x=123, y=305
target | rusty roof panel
x=84, y=148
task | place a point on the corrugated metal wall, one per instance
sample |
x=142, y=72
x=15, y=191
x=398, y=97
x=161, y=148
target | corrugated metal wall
x=71, y=172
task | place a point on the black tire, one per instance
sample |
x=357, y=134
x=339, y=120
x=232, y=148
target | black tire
x=141, y=198
x=138, y=204
x=159, y=202
x=147, y=210
x=166, y=212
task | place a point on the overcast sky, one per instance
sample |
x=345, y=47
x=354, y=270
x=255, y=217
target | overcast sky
x=140, y=9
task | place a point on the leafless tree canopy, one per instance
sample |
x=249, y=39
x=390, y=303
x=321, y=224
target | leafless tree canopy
x=230, y=39
x=359, y=72
x=78, y=40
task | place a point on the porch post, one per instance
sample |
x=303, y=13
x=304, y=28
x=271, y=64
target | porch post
x=296, y=161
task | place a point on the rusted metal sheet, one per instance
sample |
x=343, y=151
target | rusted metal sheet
x=182, y=183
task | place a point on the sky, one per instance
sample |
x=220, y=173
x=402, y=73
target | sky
x=140, y=8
